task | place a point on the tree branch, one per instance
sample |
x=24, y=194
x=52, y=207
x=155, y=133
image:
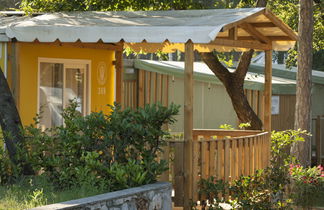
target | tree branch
x=216, y=66
x=243, y=65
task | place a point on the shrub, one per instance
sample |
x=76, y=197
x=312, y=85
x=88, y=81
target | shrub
x=110, y=151
x=307, y=184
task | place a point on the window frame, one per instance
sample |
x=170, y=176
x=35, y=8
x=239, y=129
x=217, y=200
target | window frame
x=68, y=63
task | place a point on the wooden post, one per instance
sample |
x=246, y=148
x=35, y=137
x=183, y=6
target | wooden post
x=267, y=90
x=318, y=140
x=119, y=78
x=188, y=122
x=267, y=102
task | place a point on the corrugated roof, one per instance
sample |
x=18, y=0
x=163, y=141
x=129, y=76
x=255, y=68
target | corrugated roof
x=280, y=70
x=178, y=26
x=6, y=18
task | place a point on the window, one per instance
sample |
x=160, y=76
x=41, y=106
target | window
x=61, y=80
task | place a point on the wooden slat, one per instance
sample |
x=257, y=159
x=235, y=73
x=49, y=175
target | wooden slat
x=148, y=88
x=165, y=156
x=204, y=159
x=195, y=169
x=188, y=122
x=212, y=157
x=318, y=140
x=246, y=157
x=154, y=85
x=178, y=174
x=251, y=154
x=234, y=162
x=219, y=159
x=141, y=86
x=240, y=164
x=160, y=88
x=227, y=160
x=257, y=153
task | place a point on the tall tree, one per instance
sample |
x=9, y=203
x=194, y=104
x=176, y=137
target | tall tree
x=234, y=81
x=11, y=124
x=303, y=91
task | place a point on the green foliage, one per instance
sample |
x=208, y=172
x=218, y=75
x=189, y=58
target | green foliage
x=8, y=171
x=226, y=127
x=110, y=152
x=29, y=192
x=266, y=188
x=308, y=183
x=244, y=125
x=287, y=10
x=98, y=5
x=212, y=189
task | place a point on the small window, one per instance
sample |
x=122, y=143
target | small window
x=59, y=82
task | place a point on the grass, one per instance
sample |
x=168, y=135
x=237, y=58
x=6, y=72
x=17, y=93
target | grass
x=31, y=192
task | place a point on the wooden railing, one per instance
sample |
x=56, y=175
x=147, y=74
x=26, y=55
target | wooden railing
x=225, y=154
x=318, y=136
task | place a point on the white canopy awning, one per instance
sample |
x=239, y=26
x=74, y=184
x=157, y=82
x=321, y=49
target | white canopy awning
x=177, y=26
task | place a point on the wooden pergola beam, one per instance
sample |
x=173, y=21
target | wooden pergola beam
x=232, y=33
x=280, y=24
x=255, y=33
x=263, y=25
x=272, y=38
x=241, y=44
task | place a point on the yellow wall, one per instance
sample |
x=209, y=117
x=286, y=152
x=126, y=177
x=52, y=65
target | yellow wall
x=28, y=66
x=2, y=55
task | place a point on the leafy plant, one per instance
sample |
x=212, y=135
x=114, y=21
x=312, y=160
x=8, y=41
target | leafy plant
x=226, y=127
x=244, y=125
x=307, y=183
x=110, y=152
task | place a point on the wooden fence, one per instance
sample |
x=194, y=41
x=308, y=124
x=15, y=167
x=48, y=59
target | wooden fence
x=318, y=135
x=220, y=153
x=150, y=87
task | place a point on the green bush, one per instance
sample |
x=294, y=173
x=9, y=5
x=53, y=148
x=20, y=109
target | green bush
x=266, y=188
x=110, y=151
x=307, y=184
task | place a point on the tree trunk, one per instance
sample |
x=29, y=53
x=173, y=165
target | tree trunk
x=302, y=150
x=10, y=123
x=233, y=83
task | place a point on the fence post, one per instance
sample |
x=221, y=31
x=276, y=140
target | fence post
x=188, y=123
